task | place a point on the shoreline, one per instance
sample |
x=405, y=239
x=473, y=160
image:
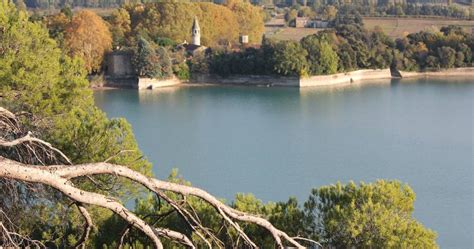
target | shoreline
x=451, y=72
x=338, y=79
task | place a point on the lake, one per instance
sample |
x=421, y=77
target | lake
x=281, y=142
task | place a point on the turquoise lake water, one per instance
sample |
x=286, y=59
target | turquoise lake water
x=281, y=142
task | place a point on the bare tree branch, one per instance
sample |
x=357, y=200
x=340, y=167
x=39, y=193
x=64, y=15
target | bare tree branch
x=81, y=243
x=11, y=239
x=158, y=185
x=19, y=171
x=29, y=139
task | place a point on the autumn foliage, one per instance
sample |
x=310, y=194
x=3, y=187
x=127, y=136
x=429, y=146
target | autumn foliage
x=220, y=24
x=88, y=37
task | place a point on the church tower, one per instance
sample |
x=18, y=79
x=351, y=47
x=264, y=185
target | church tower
x=196, y=31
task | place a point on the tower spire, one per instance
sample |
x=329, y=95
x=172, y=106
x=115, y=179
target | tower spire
x=196, y=33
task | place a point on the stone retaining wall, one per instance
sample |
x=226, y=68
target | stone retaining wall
x=252, y=80
x=273, y=80
x=453, y=72
x=147, y=83
x=121, y=82
x=345, y=78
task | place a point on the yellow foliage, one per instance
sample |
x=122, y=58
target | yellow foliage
x=250, y=19
x=219, y=24
x=88, y=37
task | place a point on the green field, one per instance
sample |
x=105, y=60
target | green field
x=287, y=33
x=398, y=27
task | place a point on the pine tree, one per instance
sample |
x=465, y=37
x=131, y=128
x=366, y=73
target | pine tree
x=144, y=59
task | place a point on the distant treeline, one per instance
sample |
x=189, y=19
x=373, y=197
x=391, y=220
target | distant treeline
x=290, y=3
x=58, y=4
x=416, y=9
x=328, y=10
x=365, y=7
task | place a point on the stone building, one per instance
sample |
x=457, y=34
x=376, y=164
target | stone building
x=195, y=45
x=119, y=70
x=119, y=64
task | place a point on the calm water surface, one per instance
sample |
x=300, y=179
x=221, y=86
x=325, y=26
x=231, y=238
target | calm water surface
x=281, y=142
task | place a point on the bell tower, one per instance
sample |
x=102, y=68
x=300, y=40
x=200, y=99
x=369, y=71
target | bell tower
x=196, y=32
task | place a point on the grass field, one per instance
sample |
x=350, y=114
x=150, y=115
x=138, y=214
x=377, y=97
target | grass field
x=398, y=27
x=392, y=26
x=288, y=33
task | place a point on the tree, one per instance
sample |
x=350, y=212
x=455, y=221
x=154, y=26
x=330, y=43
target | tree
x=152, y=61
x=367, y=215
x=66, y=10
x=459, y=59
x=164, y=62
x=328, y=59
x=447, y=57
x=36, y=78
x=355, y=36
x=322, y=59
x=199, y=63
x=120, y=27
x=330, y=12
x=290, y=59
x=347, y=57
x=88, y=37
x=290, y=17
x=145, y=60
x=432, y=62
x=41, y=82
x=249, y=18
x=57, y=25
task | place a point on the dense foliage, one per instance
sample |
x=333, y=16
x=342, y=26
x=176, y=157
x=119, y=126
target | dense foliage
x=151, y=61
x=40, y=81
x=451, y=47
x=347, y=47
x=84, y=34
x=328, y=8
x=371, y=215
x=220, y=25
x=249, y=19
x=88, y=37
x=366, y=216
